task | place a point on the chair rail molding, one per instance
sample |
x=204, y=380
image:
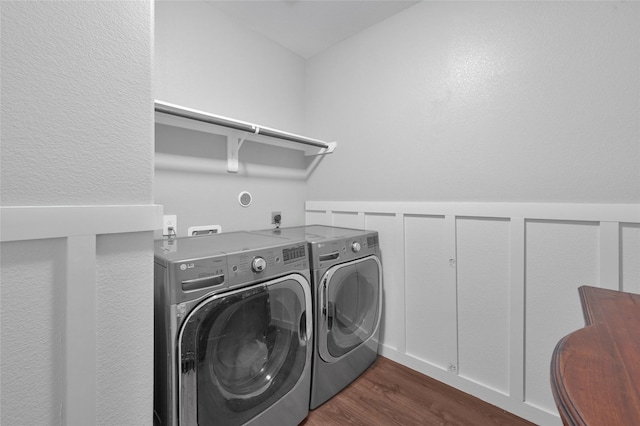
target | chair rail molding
x=19, y=223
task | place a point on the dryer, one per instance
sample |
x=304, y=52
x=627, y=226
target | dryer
x=346, y=273
x=233, y=330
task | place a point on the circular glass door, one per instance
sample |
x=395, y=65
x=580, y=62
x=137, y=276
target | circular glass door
x=350, y=306
x=242, y=351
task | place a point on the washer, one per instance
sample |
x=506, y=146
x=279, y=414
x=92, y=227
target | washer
x=233, y=330
x=346, y=274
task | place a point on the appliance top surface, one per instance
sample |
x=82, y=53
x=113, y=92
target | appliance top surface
x=315, y=233
x=215, y=245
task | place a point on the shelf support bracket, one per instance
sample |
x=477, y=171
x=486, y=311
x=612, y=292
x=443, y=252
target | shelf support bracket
x=234, y=142
x=331, y=146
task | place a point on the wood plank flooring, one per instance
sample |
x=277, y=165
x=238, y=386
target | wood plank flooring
x=389, y=393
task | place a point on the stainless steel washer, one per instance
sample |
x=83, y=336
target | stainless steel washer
x=346, y=273
x=233, y=330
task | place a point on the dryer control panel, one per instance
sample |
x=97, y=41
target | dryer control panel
x=329, y=252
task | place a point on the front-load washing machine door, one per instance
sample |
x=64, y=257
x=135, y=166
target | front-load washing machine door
x=349, y=306
x=241, y=351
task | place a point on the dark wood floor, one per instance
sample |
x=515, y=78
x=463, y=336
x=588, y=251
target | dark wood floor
x=391, y=394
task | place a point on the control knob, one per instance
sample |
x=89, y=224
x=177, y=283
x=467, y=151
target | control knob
x=258, y=264
x=355, y=246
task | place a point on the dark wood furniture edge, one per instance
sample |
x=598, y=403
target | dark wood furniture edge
x=608, y=347
x=568, y=412
x=587, y=307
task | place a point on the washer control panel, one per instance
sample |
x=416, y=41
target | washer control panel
x=254, y=265
x=258, y=264
x=292, y=254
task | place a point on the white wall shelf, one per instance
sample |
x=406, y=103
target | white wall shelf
x=237, y=132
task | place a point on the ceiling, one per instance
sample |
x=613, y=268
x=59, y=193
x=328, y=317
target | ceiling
x=308, y=27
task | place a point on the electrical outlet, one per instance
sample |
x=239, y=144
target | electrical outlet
x=169, y=221
x=276, y=217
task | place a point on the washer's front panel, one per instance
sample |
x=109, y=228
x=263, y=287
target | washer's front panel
x=242, y=351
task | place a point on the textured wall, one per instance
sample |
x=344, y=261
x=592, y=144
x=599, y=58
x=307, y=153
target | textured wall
x=192, y=181
x=33, y=316
x=124, y=334
x=77, y=311
x=483, y=101
x=75, y=111
x=205, y=60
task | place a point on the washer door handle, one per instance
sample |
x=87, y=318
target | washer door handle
x=302, y=329
x=323, y=294
x=331, y=313
x=330, y=256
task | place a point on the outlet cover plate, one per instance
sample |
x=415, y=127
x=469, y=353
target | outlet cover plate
x=169, y=221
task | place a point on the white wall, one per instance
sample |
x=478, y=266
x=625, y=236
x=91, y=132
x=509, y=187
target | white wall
x=495, y=148
x=206, y=61
x=60, y=75
x=478, y=102
x=77, y=215
x=482, y=101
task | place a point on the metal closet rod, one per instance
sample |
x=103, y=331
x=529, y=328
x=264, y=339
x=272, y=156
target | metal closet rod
x=190, y=114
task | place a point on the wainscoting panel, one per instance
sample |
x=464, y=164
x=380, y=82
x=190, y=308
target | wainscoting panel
x=317, y=217
x=392, y=321
x=560, y=257
x=630, y=253
x=483, y=301
x=59, y=288
x=427, y=285
x=347, y=220
x=33, y=326
x=477, y=295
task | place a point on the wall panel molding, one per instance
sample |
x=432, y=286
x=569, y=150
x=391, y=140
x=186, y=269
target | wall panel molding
x=21, y=223
x=80, y=332
x=610, y=255
x=516, y=308
x=539, y=211
x=548, y=243
x=79, y=227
